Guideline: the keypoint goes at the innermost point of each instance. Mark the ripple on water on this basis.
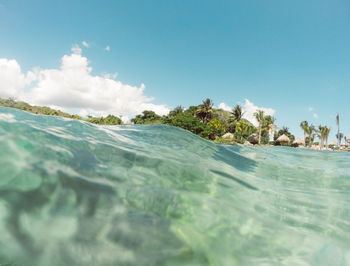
(73, 193)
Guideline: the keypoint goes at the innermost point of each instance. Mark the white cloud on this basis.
(315, 115)
(108, 48)
(76, 49)
(225, 107)
(85, 44)
(12, 80)
(249, 109)
(125, 119)
(110, 75)
(73, 88)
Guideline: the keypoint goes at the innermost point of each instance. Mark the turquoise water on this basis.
(73, 193)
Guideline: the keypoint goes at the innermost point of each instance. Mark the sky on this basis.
(121, 57)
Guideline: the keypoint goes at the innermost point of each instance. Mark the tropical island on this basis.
(214, 124)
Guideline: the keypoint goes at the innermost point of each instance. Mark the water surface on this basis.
(74, 193)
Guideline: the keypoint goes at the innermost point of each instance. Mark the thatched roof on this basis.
(299, 141)
(348, 137)
(284, 139)
(332, 143)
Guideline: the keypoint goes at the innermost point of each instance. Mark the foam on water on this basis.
(73, 193)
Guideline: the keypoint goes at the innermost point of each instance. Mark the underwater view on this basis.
(75, 193)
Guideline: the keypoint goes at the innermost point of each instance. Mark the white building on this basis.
(347, 139)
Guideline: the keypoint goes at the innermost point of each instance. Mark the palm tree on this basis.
(320, 136)
(337, 120)
(284, 130)
(339, 137)
(327, 130)
(269, 124)
(304, 126)
(237, 113)
(259, 115)
(178, 110)
(323, 133)
(205, 110)
(311, 131)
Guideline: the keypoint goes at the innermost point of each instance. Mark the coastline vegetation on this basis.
(322, 133)
(109, 120)
(208, 122)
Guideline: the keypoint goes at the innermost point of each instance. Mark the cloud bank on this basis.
(249, 109)
(73, 88)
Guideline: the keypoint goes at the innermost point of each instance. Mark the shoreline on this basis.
(217, 125)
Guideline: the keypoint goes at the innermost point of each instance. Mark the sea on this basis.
(75, 193)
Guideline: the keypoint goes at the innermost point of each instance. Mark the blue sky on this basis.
(285, 55)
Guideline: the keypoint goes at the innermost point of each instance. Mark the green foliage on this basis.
(210, 123)
(208, 133)
(243, 129)
(192, 110)
(304, 126)
(205, 111)
(268, 125)
(225, 141)
(237, 113)
(218, 127)
(259, 115)
(202, 120)
(186, 121)
(109, 120)
(147, 117)
(35, 109)
(323, 133)
(309, 132)
(178, 110)
(265, 137)
(339, 137)
(222, 115)
(309, 140)
(190, 122)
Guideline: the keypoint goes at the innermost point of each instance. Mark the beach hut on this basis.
(283, 139)
(298, 142)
